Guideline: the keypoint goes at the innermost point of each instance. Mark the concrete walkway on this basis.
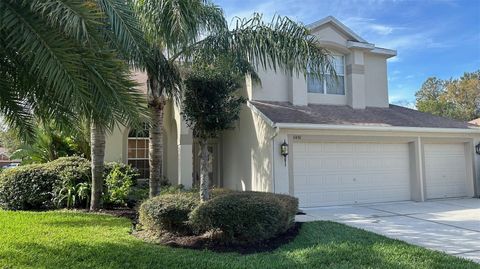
(452, 225)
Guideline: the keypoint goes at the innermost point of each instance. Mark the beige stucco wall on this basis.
(376, 86)
(170, 146)
(247, 154)
(273, 86)
(329, 33)
(365, 77)
(116, 145)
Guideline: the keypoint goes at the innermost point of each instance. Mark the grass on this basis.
(62, 239)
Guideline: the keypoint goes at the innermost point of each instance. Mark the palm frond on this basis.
(125, 31)
(178, 23)
(47, 52)
(280, 44)
(74, 18)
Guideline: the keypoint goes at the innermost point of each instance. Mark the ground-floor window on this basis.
(138, 150)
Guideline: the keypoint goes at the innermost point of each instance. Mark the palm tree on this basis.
(60, 59)
(175, 28)
(170, 26)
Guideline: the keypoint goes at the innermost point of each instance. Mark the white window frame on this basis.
(325, 84)
(136, 148)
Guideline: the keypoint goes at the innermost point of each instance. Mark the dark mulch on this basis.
(207, 241)
(125, 212)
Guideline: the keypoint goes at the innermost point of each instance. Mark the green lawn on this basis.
(79, 240)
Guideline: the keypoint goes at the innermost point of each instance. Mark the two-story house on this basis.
(346, 144)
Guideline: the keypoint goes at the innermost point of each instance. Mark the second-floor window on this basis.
(327, 84)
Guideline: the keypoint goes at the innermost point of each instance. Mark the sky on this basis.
(438, 38)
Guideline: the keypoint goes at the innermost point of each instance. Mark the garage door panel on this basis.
(348, 173)
(349, 164)
(445, 170)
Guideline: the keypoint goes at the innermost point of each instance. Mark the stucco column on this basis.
(185, 164)
(417, 186)
(474, 159)
(356, 79)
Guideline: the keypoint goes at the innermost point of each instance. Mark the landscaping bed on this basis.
(244, 222)
(207, 241)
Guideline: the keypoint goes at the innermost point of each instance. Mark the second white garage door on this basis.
(350, 173)
(445, 170)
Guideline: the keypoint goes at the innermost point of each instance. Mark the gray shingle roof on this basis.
(393, 116)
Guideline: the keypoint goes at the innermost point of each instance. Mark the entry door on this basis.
(445, 170)
(328, 174)
(212, 164)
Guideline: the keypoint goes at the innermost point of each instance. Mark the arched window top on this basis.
(139, 132)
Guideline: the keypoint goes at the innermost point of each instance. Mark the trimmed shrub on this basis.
(172, 189)
(28, 187)
(74, 169)
(74, 175)
(219, 192)
(168, 212)
(42, 186)
(245, 217)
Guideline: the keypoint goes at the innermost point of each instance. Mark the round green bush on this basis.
(244, 217)
(168, 212)
(36, 186)
(28, 187)
(74, 169)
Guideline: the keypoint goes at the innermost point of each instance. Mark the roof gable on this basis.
(339, 26)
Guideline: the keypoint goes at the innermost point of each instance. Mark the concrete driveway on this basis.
(452, 225)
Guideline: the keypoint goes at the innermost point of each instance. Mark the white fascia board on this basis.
(360, 45)
(383, 51)
(306, 126)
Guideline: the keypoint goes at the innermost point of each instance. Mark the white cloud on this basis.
(369, 26)
(412, 41)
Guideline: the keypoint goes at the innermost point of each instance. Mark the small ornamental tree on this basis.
(210, 106)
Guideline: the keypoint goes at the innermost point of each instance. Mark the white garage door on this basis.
(350, 173)
(445, 170)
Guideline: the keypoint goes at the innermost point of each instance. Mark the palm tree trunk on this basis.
(204, 180)
(155, 150)
(97, 138)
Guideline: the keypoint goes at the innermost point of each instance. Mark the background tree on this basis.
(178, 29)
(51, 143)
(455, 98)
(210, 106)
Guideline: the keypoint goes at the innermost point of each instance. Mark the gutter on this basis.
(307, 126)
(310, 126)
